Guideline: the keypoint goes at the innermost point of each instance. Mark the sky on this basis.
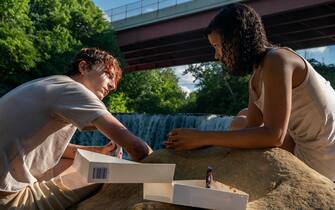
(108, 4)
(322, 54)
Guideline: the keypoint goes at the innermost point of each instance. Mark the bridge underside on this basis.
(181, 41)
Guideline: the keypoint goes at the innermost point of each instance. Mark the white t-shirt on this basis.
(37, 121)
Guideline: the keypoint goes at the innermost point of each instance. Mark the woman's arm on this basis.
(277, 77)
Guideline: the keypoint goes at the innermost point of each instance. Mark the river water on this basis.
(154, 128)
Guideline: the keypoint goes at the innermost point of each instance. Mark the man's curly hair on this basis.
(244, 41)
(93, 56)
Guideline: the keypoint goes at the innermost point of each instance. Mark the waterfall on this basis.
(154, 128)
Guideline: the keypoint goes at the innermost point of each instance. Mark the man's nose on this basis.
(112, 85)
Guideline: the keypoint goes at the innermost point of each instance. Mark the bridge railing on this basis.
(140, 7)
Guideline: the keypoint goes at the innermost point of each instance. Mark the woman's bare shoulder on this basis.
(276, 55)
(281, 59)
(283, 55)
(287, 62)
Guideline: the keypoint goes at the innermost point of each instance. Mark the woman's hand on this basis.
(185, 139)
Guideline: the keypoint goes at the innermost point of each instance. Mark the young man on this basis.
(37, 121)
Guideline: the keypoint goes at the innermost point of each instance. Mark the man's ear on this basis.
(82, 67)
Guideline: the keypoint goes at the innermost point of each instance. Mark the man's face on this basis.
(99, 79)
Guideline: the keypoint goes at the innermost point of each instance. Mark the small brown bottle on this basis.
(209, 177)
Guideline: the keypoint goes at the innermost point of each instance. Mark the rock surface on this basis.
(273, 178)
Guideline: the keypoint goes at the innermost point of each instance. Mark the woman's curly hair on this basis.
(244, 41)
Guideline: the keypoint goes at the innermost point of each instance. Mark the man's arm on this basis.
(114, 130)
(89, 128)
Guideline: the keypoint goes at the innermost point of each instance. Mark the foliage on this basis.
(40, 37)
(154, 91)
(327, 71)
(218, 91)
(117, 102)
(17, 51)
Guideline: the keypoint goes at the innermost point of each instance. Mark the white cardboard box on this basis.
(194, 193)
(100, 168)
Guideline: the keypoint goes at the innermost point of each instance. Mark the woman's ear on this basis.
(82, 67)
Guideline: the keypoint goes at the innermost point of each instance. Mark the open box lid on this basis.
(100, 168)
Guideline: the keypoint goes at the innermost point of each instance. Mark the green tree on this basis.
(154, 91)
(40, 37)
(63, 27)
(117, 102)
(17, 51)
(327, 71)
(221, 93)
(218, 91)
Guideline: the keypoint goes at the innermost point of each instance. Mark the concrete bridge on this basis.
(174, 35)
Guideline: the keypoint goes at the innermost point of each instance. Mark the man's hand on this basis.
(71, 149)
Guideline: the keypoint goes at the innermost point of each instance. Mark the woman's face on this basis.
(216, 41)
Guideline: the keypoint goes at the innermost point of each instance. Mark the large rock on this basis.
(273, 178)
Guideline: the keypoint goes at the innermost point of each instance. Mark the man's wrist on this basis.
(139, 150)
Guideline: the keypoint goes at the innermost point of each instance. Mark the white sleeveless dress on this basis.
(312, 121)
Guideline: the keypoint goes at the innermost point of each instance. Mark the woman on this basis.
(288, 99)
